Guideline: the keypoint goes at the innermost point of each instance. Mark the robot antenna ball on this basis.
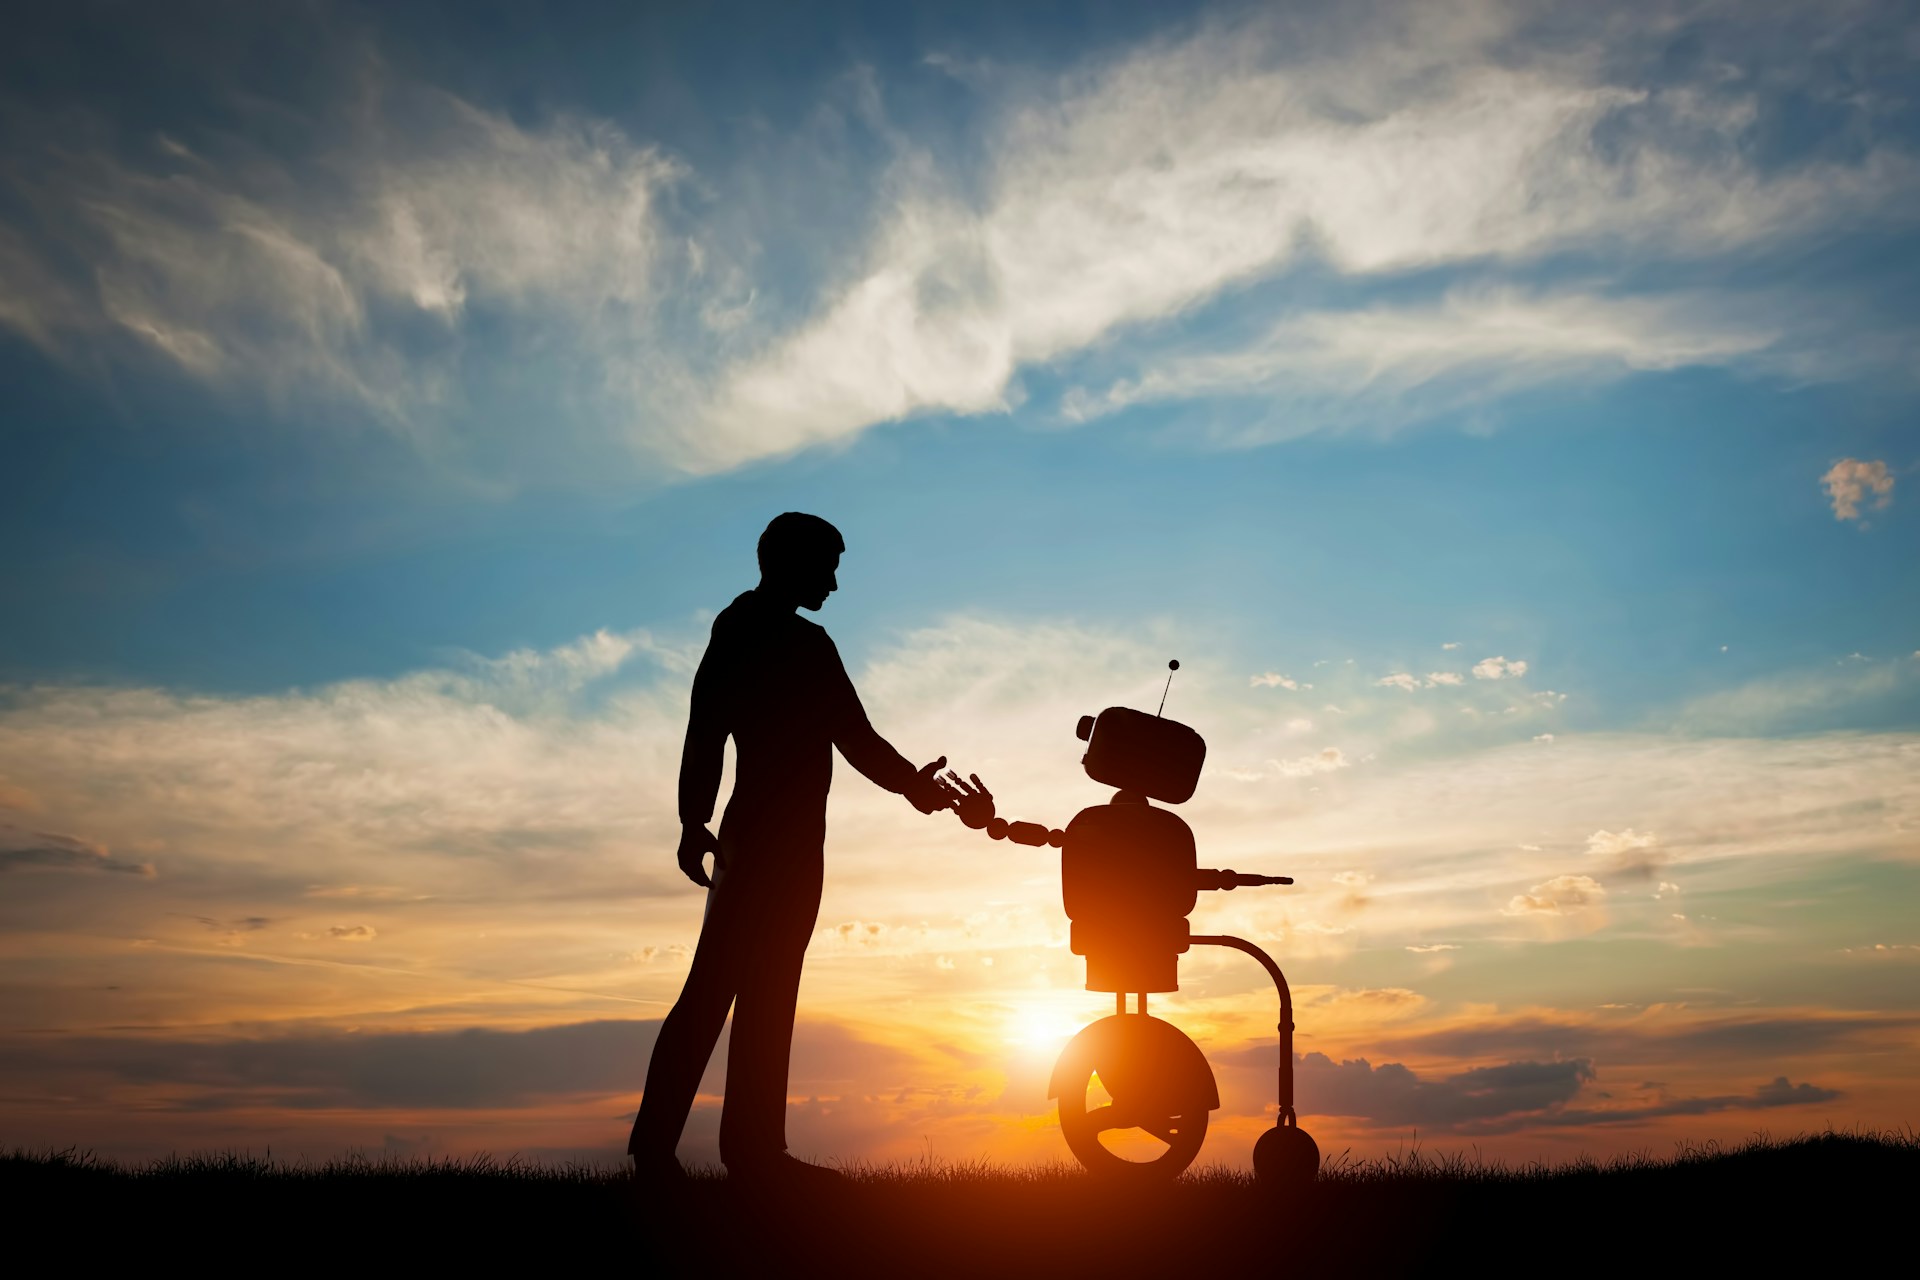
(1174, 665)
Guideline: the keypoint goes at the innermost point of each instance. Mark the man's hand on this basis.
(928, 792)
(696, 842)
(973, 803)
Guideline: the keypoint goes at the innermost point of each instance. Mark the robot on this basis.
(1129, 876)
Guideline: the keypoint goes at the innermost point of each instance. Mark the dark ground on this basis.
(1830, 1203)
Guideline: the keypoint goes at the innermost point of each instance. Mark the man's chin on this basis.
(813, 606)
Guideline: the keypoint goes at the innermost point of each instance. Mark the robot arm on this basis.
(975, 808)
(1208, 878)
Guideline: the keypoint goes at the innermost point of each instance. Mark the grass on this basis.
(1830, 1200)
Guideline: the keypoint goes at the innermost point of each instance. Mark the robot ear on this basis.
(1084, 730)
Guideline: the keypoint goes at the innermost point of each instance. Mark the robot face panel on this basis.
(1134, 751)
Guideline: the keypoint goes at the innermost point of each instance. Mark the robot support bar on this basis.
(1286, 1116)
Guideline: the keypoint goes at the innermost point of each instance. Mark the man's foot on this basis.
(784, 1172)
(660, 1171)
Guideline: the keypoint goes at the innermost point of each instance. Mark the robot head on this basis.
(1134, 751)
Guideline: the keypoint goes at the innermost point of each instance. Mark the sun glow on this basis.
(1045, 1026)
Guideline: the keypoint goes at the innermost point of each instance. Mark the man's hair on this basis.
(794, 538)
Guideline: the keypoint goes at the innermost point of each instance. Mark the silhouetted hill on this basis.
(1833, 1200)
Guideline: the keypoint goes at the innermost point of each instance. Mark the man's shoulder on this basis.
(745, 616)
(735, 613)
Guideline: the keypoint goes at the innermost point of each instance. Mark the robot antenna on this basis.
(1171, 668)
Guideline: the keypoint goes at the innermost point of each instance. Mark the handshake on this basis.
(930, 792)
(972, 803)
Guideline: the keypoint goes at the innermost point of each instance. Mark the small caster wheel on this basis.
(1285, 1159)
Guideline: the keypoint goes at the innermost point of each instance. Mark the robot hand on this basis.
(974, 804)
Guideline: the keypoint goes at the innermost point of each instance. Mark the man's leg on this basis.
(753, 1121)
(691, 1028)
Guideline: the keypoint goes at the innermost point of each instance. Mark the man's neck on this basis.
(773, 600)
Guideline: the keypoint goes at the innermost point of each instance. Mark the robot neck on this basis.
(1127, 797)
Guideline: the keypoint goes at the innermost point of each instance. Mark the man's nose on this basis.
(833, 583)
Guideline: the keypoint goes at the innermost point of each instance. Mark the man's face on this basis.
(815, 580)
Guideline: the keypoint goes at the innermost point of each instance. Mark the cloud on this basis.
(1142, 185)
(1325, 760)
(1848, 482)
(1274, 680)
(351, 932)
(1560, 896)
(1778, 1092)
(1665, 1035)
(1507, 1098)
(1393, 1095)
(377, 273)
(1628, 852)
(22, 848)
(1434, 680)
(1430, 948)
(450, 268)
(1389, 365)
(461, 1068)
(1499, 669)
(233, 933)
(1804, 700)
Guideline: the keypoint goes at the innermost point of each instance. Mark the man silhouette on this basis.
(773, 682)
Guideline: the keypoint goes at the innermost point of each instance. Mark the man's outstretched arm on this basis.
(872, 754)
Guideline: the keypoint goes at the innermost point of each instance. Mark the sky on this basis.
(1505, 412)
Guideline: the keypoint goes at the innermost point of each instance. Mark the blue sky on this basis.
(180, 532)
(1445, 385)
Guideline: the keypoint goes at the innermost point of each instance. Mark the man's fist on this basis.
(696, 842)
(927, 792)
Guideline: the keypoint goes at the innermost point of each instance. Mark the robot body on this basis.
(1127, 873)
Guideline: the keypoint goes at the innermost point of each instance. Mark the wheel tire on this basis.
(1183, 1134)
(1285, 1159)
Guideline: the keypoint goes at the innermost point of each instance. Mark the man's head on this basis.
(798, 556)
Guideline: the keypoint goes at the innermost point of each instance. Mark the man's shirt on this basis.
(775, 683)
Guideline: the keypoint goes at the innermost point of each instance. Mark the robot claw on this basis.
(1129, 877)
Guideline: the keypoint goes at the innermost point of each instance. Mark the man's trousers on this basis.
(760, 914)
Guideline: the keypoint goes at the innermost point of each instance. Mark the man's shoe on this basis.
(784, 1172)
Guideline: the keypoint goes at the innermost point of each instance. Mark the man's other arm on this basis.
(708, 723)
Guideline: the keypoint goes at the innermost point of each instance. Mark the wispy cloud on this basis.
(1560, 896)
(359, 273)
(1147, 184)
(421, 241)
(23, 849)
(1391, 365)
